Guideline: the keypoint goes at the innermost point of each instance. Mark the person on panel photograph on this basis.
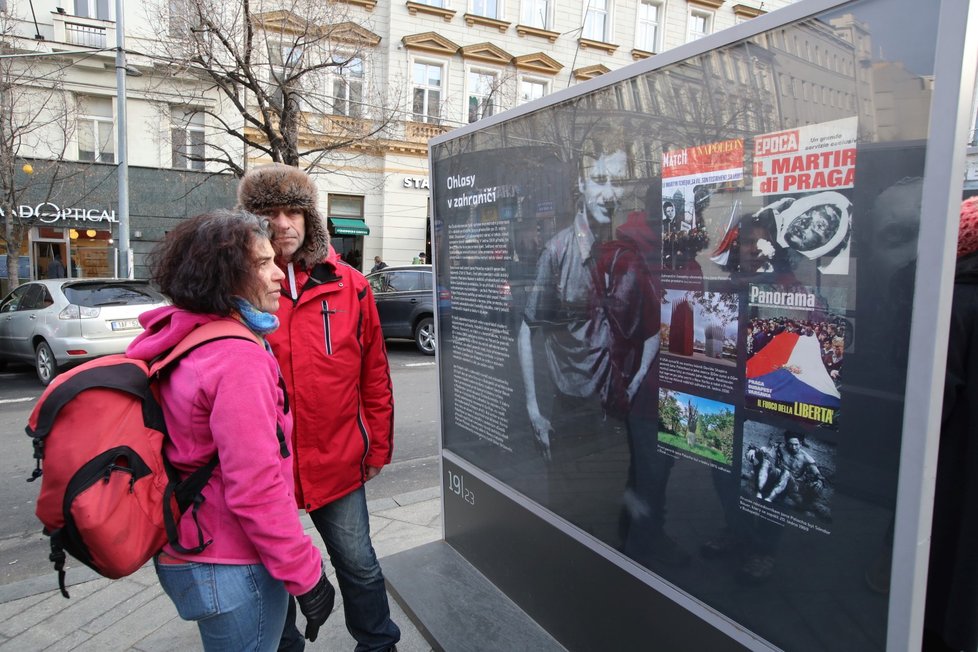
(789, 231)
(789, 475)
(669, 223)
(590, 326)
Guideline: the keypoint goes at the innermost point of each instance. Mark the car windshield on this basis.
(94, 295)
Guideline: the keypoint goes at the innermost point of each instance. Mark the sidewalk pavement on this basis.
(133, 613)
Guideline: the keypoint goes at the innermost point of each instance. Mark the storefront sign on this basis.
(50, 213)
(416, 182)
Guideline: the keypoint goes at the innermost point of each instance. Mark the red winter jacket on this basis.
(332, 354)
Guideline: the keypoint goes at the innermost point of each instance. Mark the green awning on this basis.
(344, 226)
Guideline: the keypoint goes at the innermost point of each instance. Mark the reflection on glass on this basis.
(676, 313)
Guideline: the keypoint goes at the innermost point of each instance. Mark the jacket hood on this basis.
(164, 328)
(271, 186)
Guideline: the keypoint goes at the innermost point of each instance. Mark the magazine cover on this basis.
(796, 340)
(690, 178)
(805, 176)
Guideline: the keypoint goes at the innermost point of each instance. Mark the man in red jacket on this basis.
(331, 350)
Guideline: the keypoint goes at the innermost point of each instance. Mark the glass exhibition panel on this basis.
(675, 313)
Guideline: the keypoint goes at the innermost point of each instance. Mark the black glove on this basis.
(316, 606)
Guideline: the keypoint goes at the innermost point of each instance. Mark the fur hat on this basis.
(271, 186)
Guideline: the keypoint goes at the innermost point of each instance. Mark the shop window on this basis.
(346, 206)
(95, 132)
(187, 138)
(427, 79)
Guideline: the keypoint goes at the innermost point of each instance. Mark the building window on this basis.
(432, 3)
(482, 88)
(487, 8)
(648, 26)
(427, 92)
(95, 142)
(700, 24)
(178, 15)
(536, 13)
(187, 138)
(348, 87)
(346, 206)
(532, 89)
(284, 55)
(596, 21)
(283, 59)
(99, 9)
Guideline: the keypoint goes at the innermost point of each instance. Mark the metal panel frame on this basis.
(943, 182)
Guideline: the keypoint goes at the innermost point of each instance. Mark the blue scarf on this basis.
(260, 322)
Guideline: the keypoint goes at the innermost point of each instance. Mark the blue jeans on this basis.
(235, 607)
(345, 527)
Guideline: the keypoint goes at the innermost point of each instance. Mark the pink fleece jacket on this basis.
(225, 397)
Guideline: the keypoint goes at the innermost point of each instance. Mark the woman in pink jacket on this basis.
(226, 398)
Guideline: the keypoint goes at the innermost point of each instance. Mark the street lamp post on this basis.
(125, 255)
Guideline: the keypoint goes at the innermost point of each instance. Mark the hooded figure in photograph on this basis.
(592, 321)
(331, 350)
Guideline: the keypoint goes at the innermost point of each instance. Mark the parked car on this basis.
(405, 302)
(57, 323)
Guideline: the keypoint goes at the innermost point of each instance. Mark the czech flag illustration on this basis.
(790, 369)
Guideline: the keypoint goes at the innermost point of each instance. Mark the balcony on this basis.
(85, 35)
(423, 131)
(83, 32)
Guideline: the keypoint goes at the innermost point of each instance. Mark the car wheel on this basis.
(47, 366)
(424, 336)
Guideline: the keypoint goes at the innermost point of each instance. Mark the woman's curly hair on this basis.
(207, 260)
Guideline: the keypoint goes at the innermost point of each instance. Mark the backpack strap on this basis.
(213, 330)
(187, 492)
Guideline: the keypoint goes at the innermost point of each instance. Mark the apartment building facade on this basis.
(424, 67)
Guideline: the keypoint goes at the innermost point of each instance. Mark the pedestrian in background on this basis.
(378, 265)
(224, 398)
(331, 349)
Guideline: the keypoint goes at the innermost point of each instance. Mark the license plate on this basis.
(124, 324)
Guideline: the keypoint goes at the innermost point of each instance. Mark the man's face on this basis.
(814, 228)
(288, 230)
(793, 445)
(601, 186)
(266, 284)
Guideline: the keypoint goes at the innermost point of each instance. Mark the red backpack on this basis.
(109, 497)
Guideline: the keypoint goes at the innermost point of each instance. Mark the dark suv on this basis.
(405, 303)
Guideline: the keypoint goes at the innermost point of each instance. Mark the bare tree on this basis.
(294, 80)
(36, 119)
